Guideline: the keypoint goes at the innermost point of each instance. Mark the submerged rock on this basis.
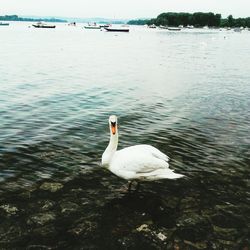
(196, 245)
(51, 186)
(68, 207)
(9, 209)
(41, 218)
(230, 234)
(193, 227)
(46, 204)
(156, 235)
(84, 229)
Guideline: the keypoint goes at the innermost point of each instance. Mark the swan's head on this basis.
(113, 124)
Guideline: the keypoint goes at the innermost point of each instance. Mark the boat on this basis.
(122, 29)
(237, 29)
(43, 25)
(105, 25)
(92, 26)
(163, 27)
(152, 26)
(4, 24)
(174, 28)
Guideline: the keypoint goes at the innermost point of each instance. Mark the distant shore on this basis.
(17, 18)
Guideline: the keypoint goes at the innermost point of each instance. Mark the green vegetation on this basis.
(17, 18)
(238, 22)
(138, 22)
(198, 19)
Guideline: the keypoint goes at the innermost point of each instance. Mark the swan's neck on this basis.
(111, 148)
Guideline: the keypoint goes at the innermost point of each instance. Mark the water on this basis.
(186, 93)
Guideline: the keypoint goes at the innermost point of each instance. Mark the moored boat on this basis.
(4, 24)
(237, 29)
(105, 25)
(174, 28)
(92, 26)
(121, 29)
(152, 26)
(43, 25)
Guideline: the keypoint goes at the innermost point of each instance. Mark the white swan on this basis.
(140, 162)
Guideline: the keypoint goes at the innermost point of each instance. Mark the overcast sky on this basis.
(121, 9)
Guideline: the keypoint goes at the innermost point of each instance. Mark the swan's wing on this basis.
(139, 159)
(154, 151)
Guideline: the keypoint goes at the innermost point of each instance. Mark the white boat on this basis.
(174, 28)
(163, 27)
(93, 26)
(152, 26)
(237, 29)
(43, 25)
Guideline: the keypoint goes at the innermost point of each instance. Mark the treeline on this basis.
(235, 22)
(198, 19)
(139, 22)
(17, 18)
(195, 19)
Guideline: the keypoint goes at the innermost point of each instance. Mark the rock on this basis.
(171, 202)
(46, 204)
(37, 247)
(11, 234)
(85, 229)
(51, 186)
(47, 231)
(68, 207)
(196, 245)
(193, 227)
(9, 209)
(230, 234)
(227, 244)
(189, 204)
(228, 220)
(149, 233)
(41, 219)
(143, 228)
(161, 236)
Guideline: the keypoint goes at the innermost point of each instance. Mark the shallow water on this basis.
(186, 93)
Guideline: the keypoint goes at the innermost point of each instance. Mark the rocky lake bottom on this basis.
(75, 213)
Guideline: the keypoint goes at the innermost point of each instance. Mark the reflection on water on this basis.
(185, 93)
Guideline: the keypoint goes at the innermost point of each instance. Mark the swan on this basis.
(139, 162)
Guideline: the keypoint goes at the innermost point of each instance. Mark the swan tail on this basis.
(162, 174)
(171, 176)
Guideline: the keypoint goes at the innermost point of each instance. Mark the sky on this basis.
(127, 9)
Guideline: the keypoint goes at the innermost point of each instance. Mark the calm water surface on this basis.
(186, 93)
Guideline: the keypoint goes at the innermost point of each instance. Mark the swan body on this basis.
(140, 162)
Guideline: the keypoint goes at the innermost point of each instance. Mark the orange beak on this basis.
(113, 128)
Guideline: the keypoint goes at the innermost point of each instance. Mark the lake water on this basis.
(186, 93)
